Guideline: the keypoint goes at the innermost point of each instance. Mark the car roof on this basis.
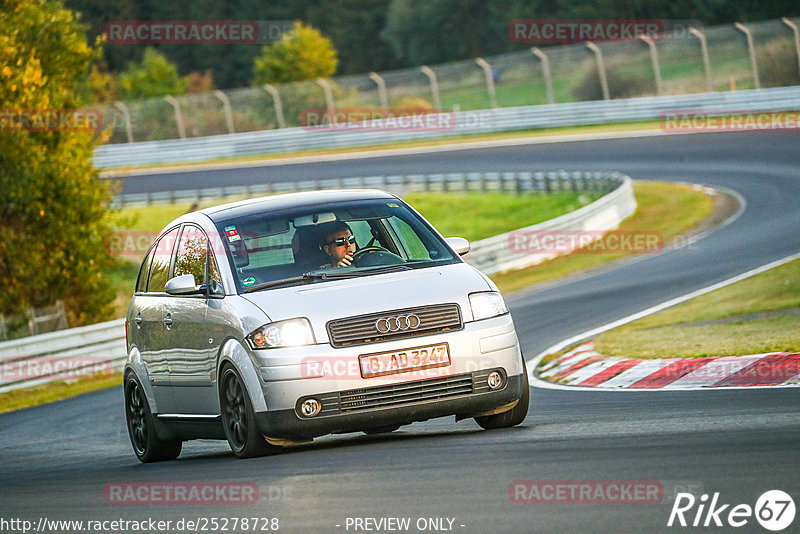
(253, 206)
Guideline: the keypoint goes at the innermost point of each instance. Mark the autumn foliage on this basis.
(52, 204)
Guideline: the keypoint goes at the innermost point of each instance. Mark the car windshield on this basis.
(332, 241)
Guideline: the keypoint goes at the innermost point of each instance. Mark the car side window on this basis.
(192, 256)
(159, 268)
(141, 281)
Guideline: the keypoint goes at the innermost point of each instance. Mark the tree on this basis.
(433, 31)
(53, 206)
(301, 54)
(154, 76)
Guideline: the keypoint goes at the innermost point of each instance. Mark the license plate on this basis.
(404, 361)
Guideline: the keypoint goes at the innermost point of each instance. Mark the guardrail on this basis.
(68, 354)
(465, 123)
(64, 354)
(495, 254)
(509, 182)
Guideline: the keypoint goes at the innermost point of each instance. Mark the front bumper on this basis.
(352, 403)
(286, 424)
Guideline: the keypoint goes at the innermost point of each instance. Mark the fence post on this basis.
(326, 88)
(276, 100)
(706, 60)
(654, 58)
(226, 108)
(796, 33)
(601, 68)
(178, 116)
(487, 73)
(752, 49)
(127, 116)
(548, 79)
(427, 71)
(379, 81)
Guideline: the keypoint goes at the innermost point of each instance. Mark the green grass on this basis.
(670, 333)
(670, 209)
(55, 391)
(492, 214)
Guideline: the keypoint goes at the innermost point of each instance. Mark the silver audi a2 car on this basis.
(243, 328)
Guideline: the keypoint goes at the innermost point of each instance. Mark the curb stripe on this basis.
(609, 373)
(587, 368)
(768, 371)
(671, 373)
(577, 366)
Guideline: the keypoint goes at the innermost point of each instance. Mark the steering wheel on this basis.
(372, 256)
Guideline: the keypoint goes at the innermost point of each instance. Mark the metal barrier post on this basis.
(226, 107)
(752, 49)
(127, 116)
(796, 33)
(601, 68)
(427, 71)
(548, 80)
(706, 60)
(276, 99)
(654, 58)
(326, 88)
(178, 116)
(487, 72)
(379, 81)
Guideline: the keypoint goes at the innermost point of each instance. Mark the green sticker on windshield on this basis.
(248, 281)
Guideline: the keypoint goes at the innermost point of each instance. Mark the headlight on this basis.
(288, 333)
(487, 304)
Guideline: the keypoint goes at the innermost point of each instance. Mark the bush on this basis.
(777, 64)
(301, 54)
(622, 83)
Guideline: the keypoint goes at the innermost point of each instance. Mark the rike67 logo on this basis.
(774, 510)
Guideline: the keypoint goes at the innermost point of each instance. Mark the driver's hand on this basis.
(346, 261)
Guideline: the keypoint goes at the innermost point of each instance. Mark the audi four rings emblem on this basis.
(397, 323)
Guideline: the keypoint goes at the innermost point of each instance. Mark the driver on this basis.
(339, 245)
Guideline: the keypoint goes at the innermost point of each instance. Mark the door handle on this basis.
(138, 320)
(168, 321)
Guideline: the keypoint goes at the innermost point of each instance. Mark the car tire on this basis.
(146, 444)
(238, 417)
(515, 415)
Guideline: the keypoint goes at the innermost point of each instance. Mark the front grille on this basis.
(362, 329)
(418, 391)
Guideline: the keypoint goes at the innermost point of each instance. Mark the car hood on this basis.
(321, 302)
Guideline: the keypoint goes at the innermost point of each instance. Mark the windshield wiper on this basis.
(283, 281)
(333, 274)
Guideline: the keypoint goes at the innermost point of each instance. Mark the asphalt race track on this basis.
(59, 461)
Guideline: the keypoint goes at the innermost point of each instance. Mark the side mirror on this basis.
(459, 244)
(183, 285)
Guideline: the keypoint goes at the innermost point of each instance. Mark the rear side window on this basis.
(141, 282)
(159, 268)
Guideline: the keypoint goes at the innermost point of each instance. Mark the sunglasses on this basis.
(342, 241)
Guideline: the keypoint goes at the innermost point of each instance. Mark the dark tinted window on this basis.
(266, 247)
